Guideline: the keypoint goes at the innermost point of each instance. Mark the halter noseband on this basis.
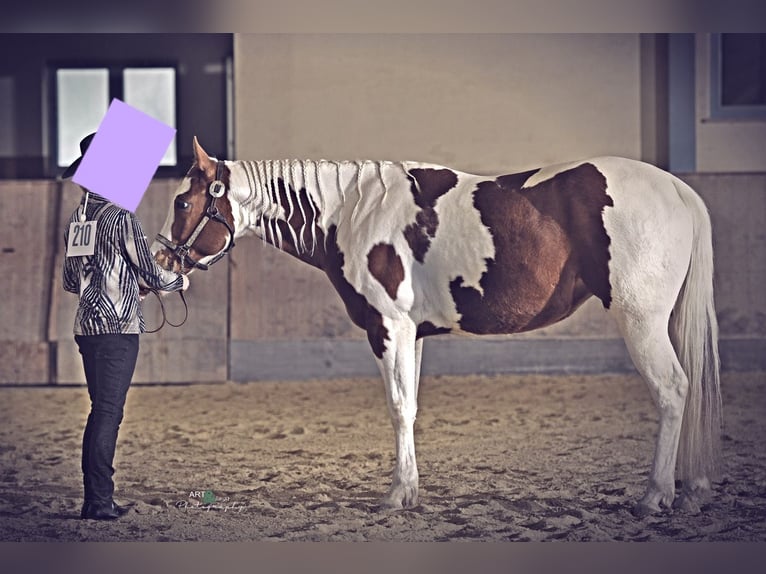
(216, 189)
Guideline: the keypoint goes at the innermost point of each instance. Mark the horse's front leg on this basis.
(399, 365)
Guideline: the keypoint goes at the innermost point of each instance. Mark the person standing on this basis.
(108, 265)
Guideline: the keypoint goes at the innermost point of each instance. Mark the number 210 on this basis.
(81, 235)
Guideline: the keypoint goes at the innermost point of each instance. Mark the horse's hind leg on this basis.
(648, 342)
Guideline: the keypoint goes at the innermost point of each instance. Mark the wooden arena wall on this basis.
(260, 314)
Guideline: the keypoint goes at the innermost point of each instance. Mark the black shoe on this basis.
(102, 511)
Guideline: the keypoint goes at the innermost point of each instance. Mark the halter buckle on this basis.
(216, 188)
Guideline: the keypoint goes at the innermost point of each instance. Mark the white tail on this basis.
(694, 332)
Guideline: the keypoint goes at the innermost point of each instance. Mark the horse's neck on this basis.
(311, 197)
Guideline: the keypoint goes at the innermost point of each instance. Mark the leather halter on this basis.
(216, 189)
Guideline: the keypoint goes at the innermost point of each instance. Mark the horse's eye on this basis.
(181, 204)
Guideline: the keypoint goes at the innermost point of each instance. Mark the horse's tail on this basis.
(694, 332)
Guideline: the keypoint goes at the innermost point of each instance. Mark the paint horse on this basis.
(416, 250)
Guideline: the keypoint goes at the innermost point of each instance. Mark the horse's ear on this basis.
(203, 160)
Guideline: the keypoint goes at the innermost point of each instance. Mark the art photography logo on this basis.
(207, 500)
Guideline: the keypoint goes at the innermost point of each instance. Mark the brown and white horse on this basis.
(417, 249)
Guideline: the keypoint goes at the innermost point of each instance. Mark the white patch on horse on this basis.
(645, 244)
(461, 247)
(376, 215)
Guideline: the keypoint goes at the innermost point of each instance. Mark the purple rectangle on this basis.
(124, 155)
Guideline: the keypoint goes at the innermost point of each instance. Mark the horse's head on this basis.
(200, 226)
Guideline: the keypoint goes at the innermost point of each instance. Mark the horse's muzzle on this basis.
(166, 260)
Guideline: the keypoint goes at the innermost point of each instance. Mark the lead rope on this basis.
(162, 306)
(164, 313)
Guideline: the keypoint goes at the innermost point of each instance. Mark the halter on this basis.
(216, 189)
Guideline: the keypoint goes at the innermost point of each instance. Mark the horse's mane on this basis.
(318, 182)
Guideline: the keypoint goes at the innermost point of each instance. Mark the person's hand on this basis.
(185, 285)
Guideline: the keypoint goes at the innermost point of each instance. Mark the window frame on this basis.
(719, 111)
(116, 89)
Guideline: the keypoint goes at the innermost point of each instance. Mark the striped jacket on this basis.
(108, 281)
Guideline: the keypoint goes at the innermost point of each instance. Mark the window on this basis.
(83, 95)
(82, 98)
(738, 76)
(153, 91)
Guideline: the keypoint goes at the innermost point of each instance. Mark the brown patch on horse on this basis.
(551, 251)
(359, 309)
(426, 329)
(427, 186)
(386, 266)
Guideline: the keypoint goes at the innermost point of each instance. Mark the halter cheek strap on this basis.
(216, 189)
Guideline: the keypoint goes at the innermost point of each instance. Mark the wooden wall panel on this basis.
(275, 297)
(259, 300)
(27, 242)
(24, 362)
(168, 361)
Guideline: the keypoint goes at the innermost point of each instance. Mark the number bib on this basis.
(82, 239)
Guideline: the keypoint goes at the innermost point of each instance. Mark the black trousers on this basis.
(109, 362)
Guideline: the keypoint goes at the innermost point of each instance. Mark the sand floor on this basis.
(506, 458)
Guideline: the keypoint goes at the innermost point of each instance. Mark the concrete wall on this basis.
(477, 102)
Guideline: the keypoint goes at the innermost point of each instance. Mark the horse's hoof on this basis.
(390, 504)
(687, 503)
(642, 510)
(400, 497)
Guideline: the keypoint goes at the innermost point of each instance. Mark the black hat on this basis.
(84, 143)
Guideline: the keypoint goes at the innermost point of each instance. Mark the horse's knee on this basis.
(669, 390)
(403, 409)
